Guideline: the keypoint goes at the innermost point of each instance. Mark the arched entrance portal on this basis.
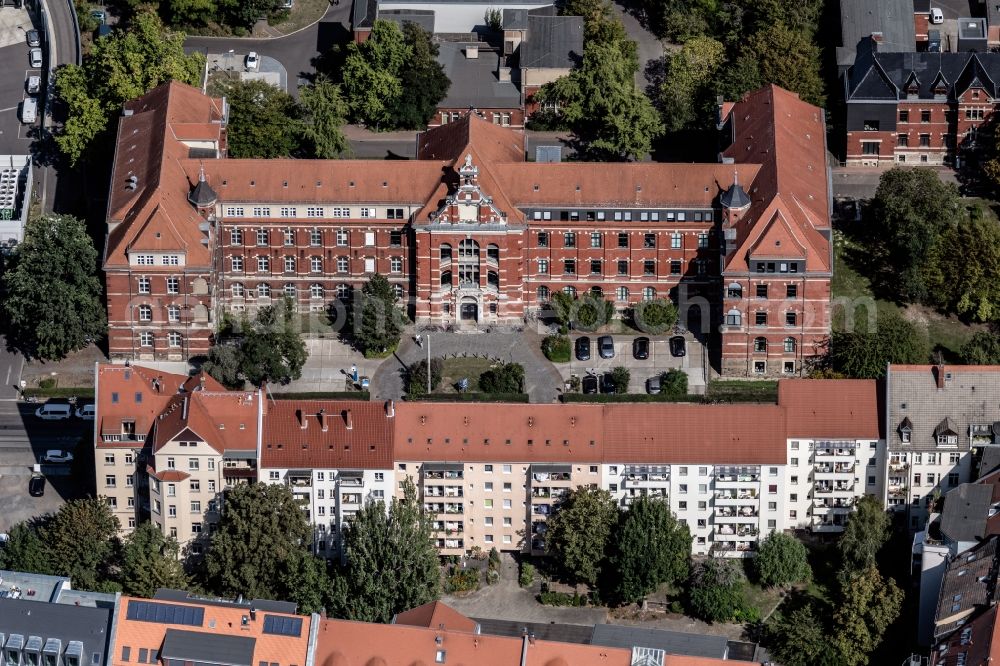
(469, 310)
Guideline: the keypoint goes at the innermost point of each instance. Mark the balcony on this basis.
(350, 498)
(899, 491)
(443, 491)
(828, 526)
(541, 509)
(735, 498)
(898, 466)
(836, 468)
(542, 476)
(300, 481)
(538, 545)
(833, 453)
(239, 473)
(747, 515)
(735, 480)
(451, 475)
(834, 488)
(539, 528)
(351, 481)
(456, 509)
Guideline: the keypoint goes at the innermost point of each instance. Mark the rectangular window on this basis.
(869, 147)
(649, 241)
(925, 116)
(904, 116)
(261, 211)
(396, 237)
(925, 140)
(790, 318)
(902, 140)
(234, 211)
(623, 240)
(543, 238)
(760, 319)
(595, 239)
(368, 212)
(622, 267)
(543, 266)
(761, 291)
(569, 239)
(675, 241)
(675, 267)
(702, 240)
(288, 211)
(569, 267)
(342, 237)
(649, 267)
(144, 282)
(314, 211)
(792, 291)
(595, 266)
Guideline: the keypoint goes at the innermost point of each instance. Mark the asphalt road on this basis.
(297, 52)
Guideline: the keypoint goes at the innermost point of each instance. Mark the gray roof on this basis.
(515, 19)
(860, 18)
(474, 82)
(89, 625)
(199, 646)
(966, 509)
(972, 28)
(891, 76)
(552, 41)
(672, 642)
(364, 13)
(990, 459)
(422, 17)
(969, 396)
(564, 633)
(40, 586)
(735, 197)
(969, 582)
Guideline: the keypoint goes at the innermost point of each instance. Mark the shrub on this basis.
(674, 382)
(503, 378)
(47, 383)
(462, 581)
(654, 317)
(562, 599)
(621, 376)
(676, 607)
(527, 577)
(416, 376)
(494, 558)
(557, 348)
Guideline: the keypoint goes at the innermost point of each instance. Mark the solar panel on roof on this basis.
(148, 611)
(282, 626)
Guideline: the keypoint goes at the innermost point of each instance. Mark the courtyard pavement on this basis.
(13, 24)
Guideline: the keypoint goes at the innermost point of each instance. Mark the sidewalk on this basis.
(328, 366)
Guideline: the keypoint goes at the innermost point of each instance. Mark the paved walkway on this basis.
(328, 367)
(649, 48)
(542, 380)
(13, 24)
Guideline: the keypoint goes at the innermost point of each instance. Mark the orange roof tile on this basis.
(366, 445)
(440, 431)
(835, 408)
(686, 433)
(437, 615)
(225, 420)
(216, 619)
(136, 394)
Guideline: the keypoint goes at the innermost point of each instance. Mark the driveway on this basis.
(542, 380)
(297, 52)
(650, 47)
(328, 366)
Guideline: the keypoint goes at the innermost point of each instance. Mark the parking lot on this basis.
(660, 360)
(15, 137)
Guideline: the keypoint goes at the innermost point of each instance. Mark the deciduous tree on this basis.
(378, 321)
(371, 82)
(674, 382)
(654, 317)
(715, 591)
(272, 349)
(800, 639)
(970, 287)
(687, 94)
(264, 122)
(324, 113)
(422, 78)
(866, 532)
(81, 538)
(503, 378)
(864, 354)
(869, 604)
(392, 560)
(983, 348)
(578, 533)
(149, 561)
(53, 302)
(789, 58)
(653, 548)
(26, 549)
(781, 560)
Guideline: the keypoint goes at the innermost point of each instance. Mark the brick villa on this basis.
(471, 233)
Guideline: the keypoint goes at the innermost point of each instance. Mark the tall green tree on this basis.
(970, 287)
(579, 531)
(422, 78)
(192, 12)
(687, 94)
(864, 354)
(245, 13)
(267, 348)
(869, 603)
(611, 119)
(800, 638)
(371, 82)
(53, 303)
(26, 549)
(653, 548)
(715, 590)
(149, 561)
(910, 211)
(260, 548)
(264, 122)
(378, 320)
(789, 58)
(124, 65)
(325, 113)
(781, 560)
(392, 560)
(866, 532)
(983, 348)
(82, 538)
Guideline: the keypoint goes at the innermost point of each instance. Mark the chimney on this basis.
(201, 382)
(322, 420)
(939, 375)
(348, 423)
(471, 51)
(303, 423)
(390, 409)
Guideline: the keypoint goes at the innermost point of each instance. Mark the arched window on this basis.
(760, 345)
(734, 290)
(468, 249)
(543, 293)
(734, 318)
(493, 252)
(789, 345)
(445, 252)
(596, 292)
(446, 279)
(493, 279)
(570, 290)
(649, 293)
(622, 294)
(264, 290)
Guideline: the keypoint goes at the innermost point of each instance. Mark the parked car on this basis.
(640, 348)
(253, 61)
(33, 84)
(678, 346)
(35, 55)
(29, 110)
(99, 15)
(583, 348)
(653, 385)
(937, 16)
(607, 383)
(36, 485)
(57, 456)
(606, 346)
(34, 39)
(87, 412)
(590, 384)
(54, 411)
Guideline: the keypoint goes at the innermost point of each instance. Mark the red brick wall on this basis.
(516, 115)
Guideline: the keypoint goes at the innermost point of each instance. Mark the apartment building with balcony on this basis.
(471, 233)
(335, 456)
(937, 418)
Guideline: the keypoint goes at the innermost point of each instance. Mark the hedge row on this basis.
(470, 397)
(629, 397)
(323, 395)
(82, 392)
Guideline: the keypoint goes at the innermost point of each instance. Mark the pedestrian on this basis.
(419, 340)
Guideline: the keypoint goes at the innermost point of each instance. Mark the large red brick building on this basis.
(470, 233)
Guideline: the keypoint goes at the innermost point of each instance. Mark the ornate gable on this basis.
(468, 203)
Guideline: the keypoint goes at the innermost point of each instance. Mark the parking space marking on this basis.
(9, 108)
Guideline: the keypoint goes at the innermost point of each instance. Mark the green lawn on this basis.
(743, 390)
(459, 368)
(946, 333)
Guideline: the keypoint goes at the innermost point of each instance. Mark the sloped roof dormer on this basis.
(946, 427)
(974, 75)
(912, 85)
(905, 426)
(940, 86)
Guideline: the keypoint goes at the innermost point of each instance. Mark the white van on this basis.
(29, 110)
(52, 411)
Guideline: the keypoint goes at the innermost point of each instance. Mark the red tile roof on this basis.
(437, 615)
(834, 408)
(225, 420)
(786, 136)
(135, 394)
(366, 445)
